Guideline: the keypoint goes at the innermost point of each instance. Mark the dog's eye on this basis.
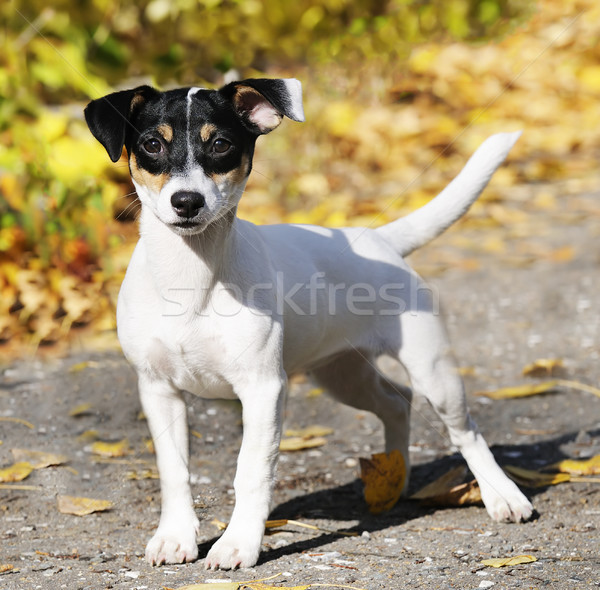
(152, 146)
(220, 146)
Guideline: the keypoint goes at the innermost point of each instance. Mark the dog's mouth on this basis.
(187, 224)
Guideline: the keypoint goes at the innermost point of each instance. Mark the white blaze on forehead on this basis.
(190, 144)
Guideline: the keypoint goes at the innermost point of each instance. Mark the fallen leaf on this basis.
(521, 390)
(7, 567)
(15, 472)
(310, 431)
(17, 421)
(143, 474)
(449, 490)
(80, 410)
(299, 443)
(111, 449)
(38, 459)
(535, 479)
(315, 392)
(81, 506)
(537, 388)
(578, 467)
(508, 561)
(542, 367)
(78, 367)
(383, 476)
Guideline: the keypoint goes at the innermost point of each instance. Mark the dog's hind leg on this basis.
(353, 379)
(427, 359)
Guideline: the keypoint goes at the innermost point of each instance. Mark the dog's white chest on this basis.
(190, 366)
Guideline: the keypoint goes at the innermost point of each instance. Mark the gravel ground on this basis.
(501, 315)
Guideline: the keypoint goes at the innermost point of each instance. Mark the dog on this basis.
(219, 307)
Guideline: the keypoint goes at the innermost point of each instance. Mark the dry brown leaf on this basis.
(449, 490)
(299, 443)
(38, 459)
(508, 561)
(15, 472)
(111, 449)
(578, 467)
(383, 476)
(81, 506)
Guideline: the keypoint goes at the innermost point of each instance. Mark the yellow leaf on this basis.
(15, 472)
(78, 367)
(521, 390)
(315, 392)
(7, 567)
(81, 506)
(589, 76)
(111, 449)
(535, 479)
(535, 389)
(38, 459)
(17, 421)
(448, 490)
(310, 431)
(508, 561)
(299, 443)
(143, 474)
(80, 410)
(383, 476)
(579, 467)
(542, 366)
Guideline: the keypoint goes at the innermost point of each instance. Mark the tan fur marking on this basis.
(166, 131)
(206, 131)
(235, 176)
(154, 182)
(136, 101)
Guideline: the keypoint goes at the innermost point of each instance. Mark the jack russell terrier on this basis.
(222, 308)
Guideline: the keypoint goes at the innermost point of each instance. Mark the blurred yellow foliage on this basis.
(398, 95)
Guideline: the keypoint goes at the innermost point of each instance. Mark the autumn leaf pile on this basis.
(384, 133)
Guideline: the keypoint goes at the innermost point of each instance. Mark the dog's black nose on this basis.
(187, 203)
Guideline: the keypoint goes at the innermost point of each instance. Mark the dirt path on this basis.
(501, 316)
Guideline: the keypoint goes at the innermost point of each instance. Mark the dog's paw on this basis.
(230, 553)
(510, 506)
(172, 547)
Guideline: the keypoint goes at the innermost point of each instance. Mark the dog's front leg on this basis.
(175, 538)
(240, 544)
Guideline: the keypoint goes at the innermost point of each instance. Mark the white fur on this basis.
(231, 310)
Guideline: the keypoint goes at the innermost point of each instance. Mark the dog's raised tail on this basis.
(419, 227)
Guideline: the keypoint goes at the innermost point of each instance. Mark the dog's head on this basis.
(190, 150)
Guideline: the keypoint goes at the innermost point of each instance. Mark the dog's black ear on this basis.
(109, 117)
(262, 103)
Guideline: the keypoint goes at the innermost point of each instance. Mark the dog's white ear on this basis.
(262, 103)
(109, 117)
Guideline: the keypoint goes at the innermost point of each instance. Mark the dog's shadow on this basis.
(345, 503)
